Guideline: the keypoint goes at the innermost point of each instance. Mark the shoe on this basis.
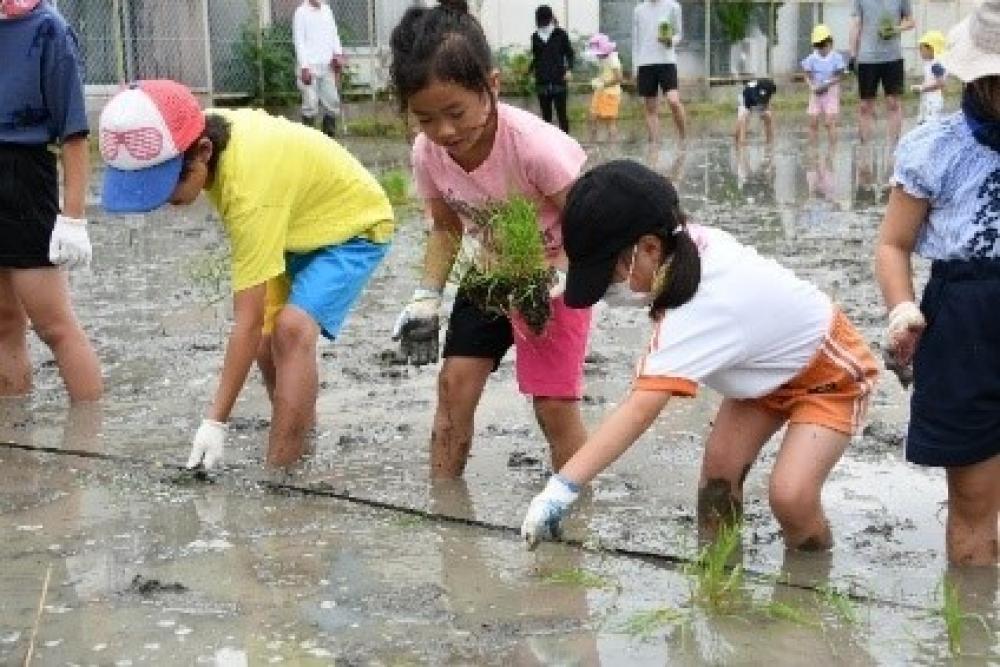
(329, 126)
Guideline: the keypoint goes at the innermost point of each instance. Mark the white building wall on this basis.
(511, 22)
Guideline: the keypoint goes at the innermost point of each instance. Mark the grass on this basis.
(396, 183)
(786, 612)
(209, 273)
(839, 602)
(717, 585)
(576, 576)
(373, 126)
(645, 623)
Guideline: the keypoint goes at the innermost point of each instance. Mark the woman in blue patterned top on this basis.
(42, 113)
(945, 206)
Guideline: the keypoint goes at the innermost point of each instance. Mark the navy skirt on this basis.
(955, 408)
(29, 203)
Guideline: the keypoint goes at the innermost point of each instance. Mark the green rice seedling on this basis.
(514, 274)
(717, 585)
(665, 33)
(887, 27)
(787, 612)
(577, 576)
(209, 273)
(396, 184)
(839, 602)
(645, 623)
(952, 615)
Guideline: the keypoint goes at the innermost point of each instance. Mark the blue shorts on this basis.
(955, 408)
(324, 283)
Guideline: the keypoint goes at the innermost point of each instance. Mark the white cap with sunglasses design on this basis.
(144, 132)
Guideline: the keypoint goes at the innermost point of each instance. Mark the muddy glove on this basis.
(69, 244)
(208, 443)
(906, 323)
(547, 510)
(417, 327)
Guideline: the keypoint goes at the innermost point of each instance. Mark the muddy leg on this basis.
(808, 454)
(460, 386)
(15, 362)
(296, 384)
(265, 362)
(741, 430)
(562, 424)
(973, 507)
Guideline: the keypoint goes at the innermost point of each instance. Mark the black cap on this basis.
(608, 210)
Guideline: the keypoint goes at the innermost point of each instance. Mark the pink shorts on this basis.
(828, 103)
(547, 366)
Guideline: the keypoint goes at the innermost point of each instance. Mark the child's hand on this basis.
(417, 328)
(547, 510)
(69, 245)
(906, 324)
(916, 88)
(208, 444)
(306, 76)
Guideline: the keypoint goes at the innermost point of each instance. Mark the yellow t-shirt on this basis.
(281, 187)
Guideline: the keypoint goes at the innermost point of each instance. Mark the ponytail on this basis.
(683, 271)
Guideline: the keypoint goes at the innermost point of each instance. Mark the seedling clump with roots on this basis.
(513, 275)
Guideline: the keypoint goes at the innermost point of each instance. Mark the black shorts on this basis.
(653, 78)
(892, 75)
(29, 204)
(473, 332)
(955, 407)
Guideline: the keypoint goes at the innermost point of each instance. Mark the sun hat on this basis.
(974, 44)
(607, 210)
(144, 130)
(601, 45)
(14, 8)
(934, 39)
(820, 33)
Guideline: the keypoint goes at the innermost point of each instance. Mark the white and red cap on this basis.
(13, 8)
(144, 131)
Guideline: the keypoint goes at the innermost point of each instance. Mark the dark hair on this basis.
(826, 42)
(443, 43)
(985, 94)
(682, 264)
(543, 16)
(217, 130)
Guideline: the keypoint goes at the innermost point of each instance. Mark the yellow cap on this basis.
(820, 33)
(934, 39)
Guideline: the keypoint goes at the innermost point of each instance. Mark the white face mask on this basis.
(546, 32)
(621, 294)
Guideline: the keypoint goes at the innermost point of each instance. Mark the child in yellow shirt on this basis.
(307, 226)
(607, 87)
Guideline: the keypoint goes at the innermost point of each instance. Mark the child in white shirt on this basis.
(931, 98)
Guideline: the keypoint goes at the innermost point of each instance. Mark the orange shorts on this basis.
(834, 389)
(604, 105)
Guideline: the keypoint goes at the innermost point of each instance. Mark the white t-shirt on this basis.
(932, 72)
(751, 326)
(647, 49)
(314, 31)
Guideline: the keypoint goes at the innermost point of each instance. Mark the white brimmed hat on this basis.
(974, 44)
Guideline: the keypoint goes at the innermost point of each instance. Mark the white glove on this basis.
(208, 444)
(904, 318)
(557, 284)
(547, 510)
(417, 327)
(69, 244)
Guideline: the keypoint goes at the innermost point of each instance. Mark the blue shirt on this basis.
(944, 164)
(41, 82)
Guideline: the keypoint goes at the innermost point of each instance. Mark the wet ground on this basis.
(144, 566)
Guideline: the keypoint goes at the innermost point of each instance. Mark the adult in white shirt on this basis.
(656, 31)
(318, 55)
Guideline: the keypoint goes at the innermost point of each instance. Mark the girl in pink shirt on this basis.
(472, 154)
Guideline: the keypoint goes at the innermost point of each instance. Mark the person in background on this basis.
(930, 89)
(945, 207)
(823, 68)
(755, 98)
(656, 32)
(41, 105)
(552, 63)
(607, 87)
(319, 58)
(878, 58)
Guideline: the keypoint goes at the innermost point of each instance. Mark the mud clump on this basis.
(523, 460)
(142, 586)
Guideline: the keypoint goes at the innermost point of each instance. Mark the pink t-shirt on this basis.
(529, 157)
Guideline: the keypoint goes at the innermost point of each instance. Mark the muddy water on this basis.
(272, 578)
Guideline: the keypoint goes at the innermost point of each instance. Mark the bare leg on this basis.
(44, 294)
(741, 430)
(651, 107)
(893, 119)
(740, 135)
(562, 424)
(866, 119)
(973, 511)
(814, 130)
(265, 362)
(768, 119)
(15, 362)
(293, 406)
(680, 117)
(831, 129)
(808, 454)
(460, 386)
